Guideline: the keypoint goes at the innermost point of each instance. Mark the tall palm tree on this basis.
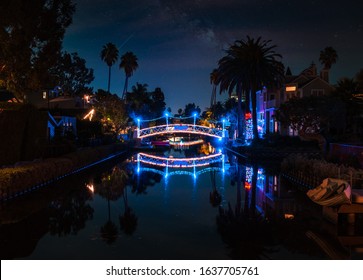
(129, 64)
(214, 82)
(231, 78)
(262, 68)
(328, 57)
(109, 54)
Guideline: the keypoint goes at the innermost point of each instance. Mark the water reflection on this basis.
(68, 214)
(147, 211)
(215, 198)
(54, 212)
(112, 187)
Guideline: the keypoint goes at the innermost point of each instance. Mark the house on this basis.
(268, 100)
(307, 83)
(64, 124)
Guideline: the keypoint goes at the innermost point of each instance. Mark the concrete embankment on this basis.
(24, 177)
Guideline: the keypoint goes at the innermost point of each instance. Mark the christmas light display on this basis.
(179, 162)
(249, 127)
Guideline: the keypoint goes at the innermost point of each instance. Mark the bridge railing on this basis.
(181, 128)
(179, 162)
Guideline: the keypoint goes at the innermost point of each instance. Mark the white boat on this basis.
(331, 192)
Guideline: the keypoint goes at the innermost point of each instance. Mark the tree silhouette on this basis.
(214, 82)
(129, 64)
(73, 75)
(112, 188)
(109, 54)
(68, 214)
(30, 43)
(128, 221)
(215, 197)
(328, 57)
(250, 65)
(247, 234)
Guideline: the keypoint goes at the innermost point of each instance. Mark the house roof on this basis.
(302, 85)
(306, 77)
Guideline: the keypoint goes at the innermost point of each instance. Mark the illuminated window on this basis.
(44, 95)
(290, 88)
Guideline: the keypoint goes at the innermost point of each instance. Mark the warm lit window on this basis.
(291, 88)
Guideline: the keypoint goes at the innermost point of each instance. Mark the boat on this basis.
(163, 143)
(331, 192)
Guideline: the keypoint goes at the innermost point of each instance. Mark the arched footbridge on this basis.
(180, 128)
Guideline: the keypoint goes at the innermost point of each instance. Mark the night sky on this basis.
(178, 43)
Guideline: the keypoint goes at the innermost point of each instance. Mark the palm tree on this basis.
(214, 82)
(138, 100)
(262, 68)
(328, 57)
(231, 78)
(109, 54)
(248, 66)
(129, 64)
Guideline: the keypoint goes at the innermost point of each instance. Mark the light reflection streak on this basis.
(184, 144)
(249, 173)
(179, 162)
(180, 172)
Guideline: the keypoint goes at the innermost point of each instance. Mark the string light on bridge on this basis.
(179, 162)
(138, 127)
(180, 127)
(167, 120)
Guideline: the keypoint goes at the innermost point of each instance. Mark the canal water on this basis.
(199, 203)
